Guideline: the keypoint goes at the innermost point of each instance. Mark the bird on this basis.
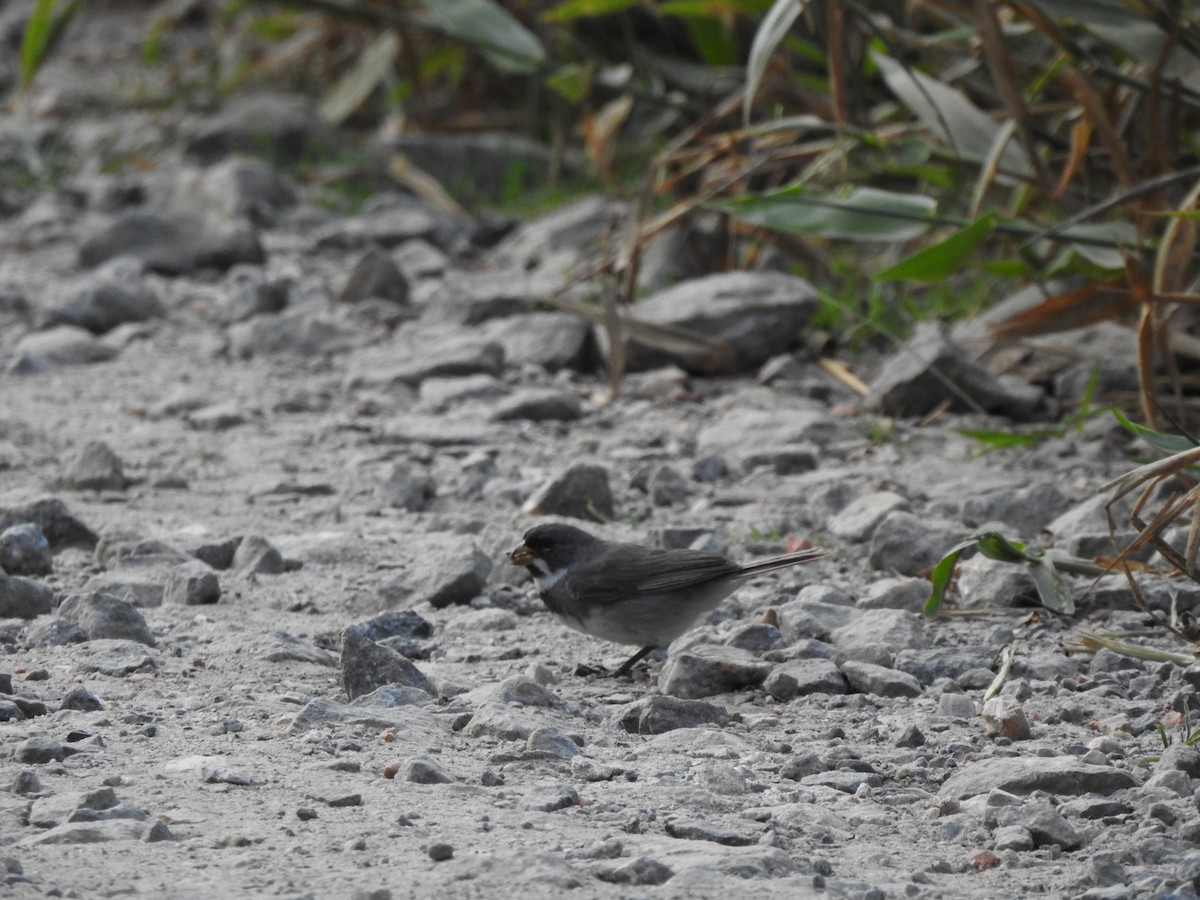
(630, 594)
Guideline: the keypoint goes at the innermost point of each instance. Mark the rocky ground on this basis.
(260, 464)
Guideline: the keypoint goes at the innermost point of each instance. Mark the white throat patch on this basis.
(545, 577)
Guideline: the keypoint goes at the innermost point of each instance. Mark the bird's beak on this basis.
(521, 556)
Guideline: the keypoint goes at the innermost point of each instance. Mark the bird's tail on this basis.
(783, 562)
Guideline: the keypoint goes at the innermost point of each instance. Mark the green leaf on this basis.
(937, 261)
(771, 32)
(571, 82)
(1169, 444)
(570, 10)
(940, 578)
(997, 547)
(1051, 588)
(489, 26)
(866, 214)
(1004, 439)
(41, 32)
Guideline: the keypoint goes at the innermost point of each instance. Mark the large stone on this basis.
(1063, 775)
(103, 302)
(367, 666)
(441, 570)
(581, 492)
(95, 467)
(375, 274)
(171, 243)
(751, 315)
(423, 352)
(21, 598)
(104, 616)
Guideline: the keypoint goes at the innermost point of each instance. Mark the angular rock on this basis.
(426, 352)
(858, 521)
(367, 665)
(1061, 775)
(539, 406)
(554, 341)
(95, 468)
(171, 243)
(408, 489)
(930, 369)
(868, 678)
(61, 528)
(375, 274)
(114, 657)
(581, 492)
(550, 742)
(443, 569)
(659, 713)
(751, 316)
(104, 616)
(1003, 715)
(47, 812)
(39, 749)
(641, 870)
(256, 554)
(425, 770)
(896, 593)
(102, 303)
(62, 345)
(804, 677)
(24, 550)
(708, 670)
(909, 544)
(21, 598)
(80, 699)
(299, 332)
(401, 623)
(1044, 823)
(192, 584)
(877, 635)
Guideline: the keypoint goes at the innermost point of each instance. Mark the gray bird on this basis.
(629, 594)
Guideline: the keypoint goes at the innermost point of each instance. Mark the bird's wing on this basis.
(647, 571)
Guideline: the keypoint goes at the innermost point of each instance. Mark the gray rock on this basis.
(444, 569)
(171, 243)
(439, 394)
(580, 492)
(858, 521)
(909, 544)
(192, 584)
(250, 293)
(47, 812)
(102, 303)
(24, 550)
(1179, 757)
(667, 487)
(53, 633)
(548, 741)
(95, 468)
(388, 226)
(425, 770)
(61, 528)
(278, 126)
(741, 430)
(755, 315)
(804, 618)
(640, 870)
(390, 696)
(367, 665)
(757, 637)
(256, 554)
(930, 369)
(660, 713)
(868, 678)
(111, 656)
(102, 832)
(26, 783)
(80, 699)
(707, 670)
(700, 830)
(426, 352)
(104, 616)
(990, 583)
(896, 593)
(877, 635)
(1012, 837)
(375, 274)
(54, 348)
(1003, 715)
(418, 259)
(539, 405)
(279, 646)
(1027, 509)
(21, 598)
(804, 677)
(781, 460)
(298, 332)
(249, 188)
(136, 580)
(1062, 775)
(954, 705)
(395, 623)
(552, 340)
(408, 489)
(1044, 823)
(39, 750)
(551, 798)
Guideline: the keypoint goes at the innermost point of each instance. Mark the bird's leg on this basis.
(624, 668)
